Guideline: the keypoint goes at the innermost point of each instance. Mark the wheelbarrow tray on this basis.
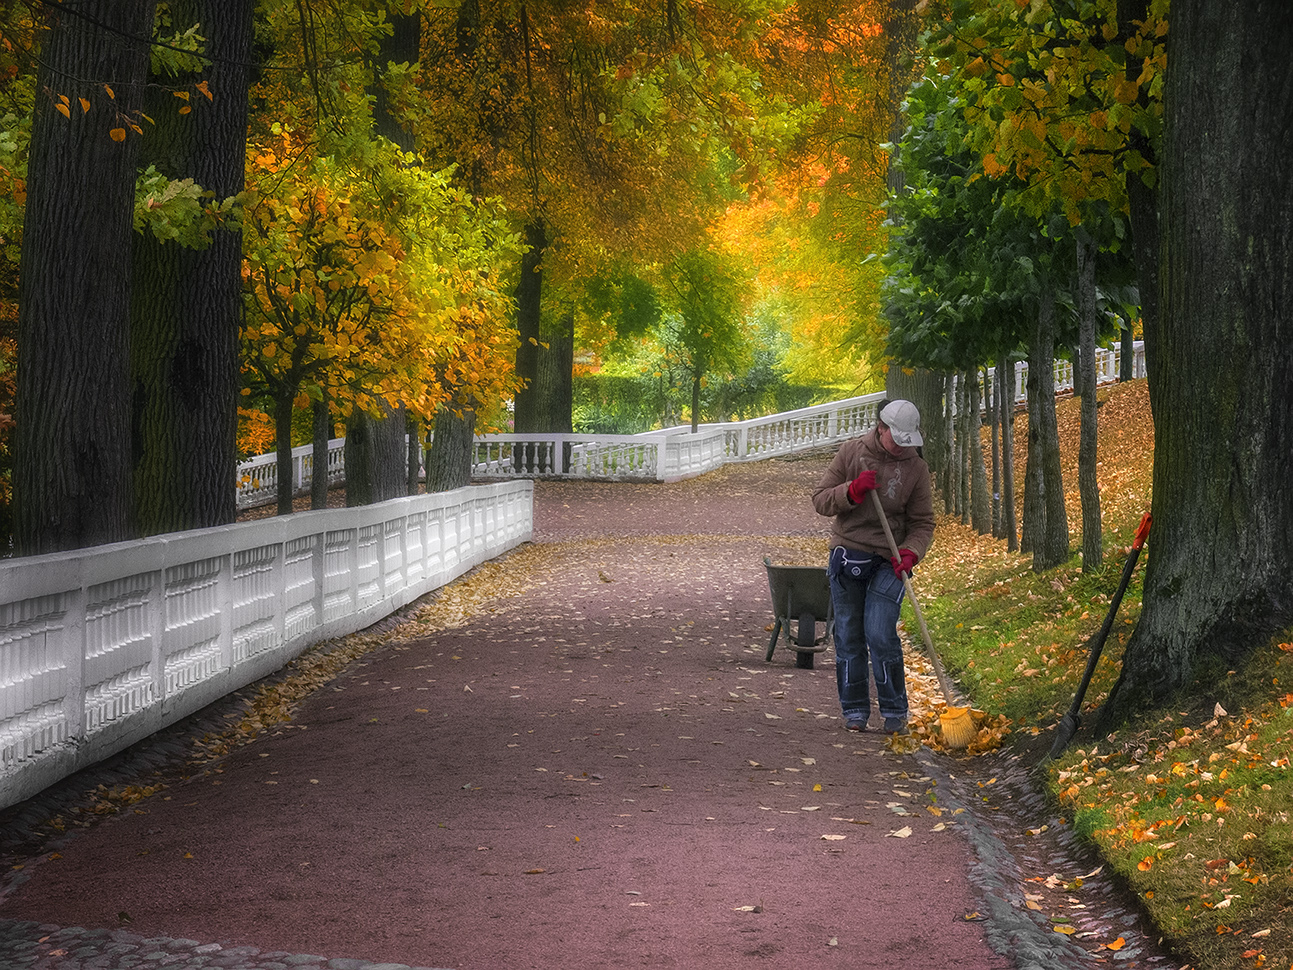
(801, 594)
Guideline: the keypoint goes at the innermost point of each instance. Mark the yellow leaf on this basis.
(1144, 864)
(1066, 930)
(202, 86)
(112, 94)
(63, 110)
(117, 134)
(1117, 944)
(817, 787)
(185, 110)
(85, 105)
(181, 94)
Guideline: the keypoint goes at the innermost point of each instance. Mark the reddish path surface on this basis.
(599, 770)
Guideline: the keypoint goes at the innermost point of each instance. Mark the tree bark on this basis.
(319, 464)
(449, 458)
(980, 501)
(963, 476)
(1006, 398)
(527, 414)
(72, 444)
(1143, 203)
(1051, 539)
(186, 304)
(375, 457)
(286, 485)
(993, 407)
(1219, 578)
(1088, 483)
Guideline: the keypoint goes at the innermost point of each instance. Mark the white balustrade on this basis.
(103, 646)
(666, 455)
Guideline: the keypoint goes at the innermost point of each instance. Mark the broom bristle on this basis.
(958, 727)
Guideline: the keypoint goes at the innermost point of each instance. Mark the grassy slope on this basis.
(1192, 804)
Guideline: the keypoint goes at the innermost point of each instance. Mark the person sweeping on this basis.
(866, 579)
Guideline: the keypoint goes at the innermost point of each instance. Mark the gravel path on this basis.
(595, 769)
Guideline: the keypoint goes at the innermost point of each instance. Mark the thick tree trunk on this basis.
(923, 388)
(980, 500)
(413, 466)
(319, 452)
(1088, 483)
(1052, 538)
(963, 476)
(1006, 398)
(72, 444)
(186, 304)
(527, 415)
(286, 484)
(1143, 203)
(375, 457)
(993, 407)
(449, 457)
(949, 444)
(1219, 579)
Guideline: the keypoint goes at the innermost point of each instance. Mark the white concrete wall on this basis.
(102, 647)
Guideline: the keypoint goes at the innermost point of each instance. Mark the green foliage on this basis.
(180, 210)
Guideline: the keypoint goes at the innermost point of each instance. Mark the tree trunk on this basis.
(286, 485)
(980, 501)
(1127, 360)
(449, 458)
(1052, 540)
(949, 444)
(375, 457)
(1220, 567)
(319, 465)
(186, 304)
(1088, 483)
(695, 401)
(72, 444)
(1143, 203)
(994, 421)
(527, 415)
(414, 463)
(923, 388)
(1006, 397)
(963, 477)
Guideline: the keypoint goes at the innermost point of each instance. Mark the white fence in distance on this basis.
(664, 456)
(104, 646)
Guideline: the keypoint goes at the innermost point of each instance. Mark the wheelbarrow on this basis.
(800, 595)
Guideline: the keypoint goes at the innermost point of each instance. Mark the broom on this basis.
(958, 726)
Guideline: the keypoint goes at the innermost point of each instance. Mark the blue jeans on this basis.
(866, 622)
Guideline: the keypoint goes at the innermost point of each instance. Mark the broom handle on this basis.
(915, 604)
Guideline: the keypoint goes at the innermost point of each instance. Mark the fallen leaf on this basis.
(834, 838)
(1219, 711)
(1066, 930)
(534, 872)
(1117, 944)
(901, 833)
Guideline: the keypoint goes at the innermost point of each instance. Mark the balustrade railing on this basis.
(667, 455)
(103, 646)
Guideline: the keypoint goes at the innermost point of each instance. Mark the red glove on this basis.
(858, 488)
(905, 564)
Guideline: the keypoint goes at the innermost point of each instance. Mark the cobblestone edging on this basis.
(37, 946)
(1007, 859)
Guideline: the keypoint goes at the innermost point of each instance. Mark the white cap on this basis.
(903, 421)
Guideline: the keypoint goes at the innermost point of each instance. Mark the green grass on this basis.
(1190, 804)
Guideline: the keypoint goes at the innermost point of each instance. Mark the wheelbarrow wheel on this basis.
(806, 636)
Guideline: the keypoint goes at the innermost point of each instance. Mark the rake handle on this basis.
(943, 683)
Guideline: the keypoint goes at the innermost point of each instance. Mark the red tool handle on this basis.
(1142, 531)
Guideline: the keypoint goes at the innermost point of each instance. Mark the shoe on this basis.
(895, 725)
(855, 724)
